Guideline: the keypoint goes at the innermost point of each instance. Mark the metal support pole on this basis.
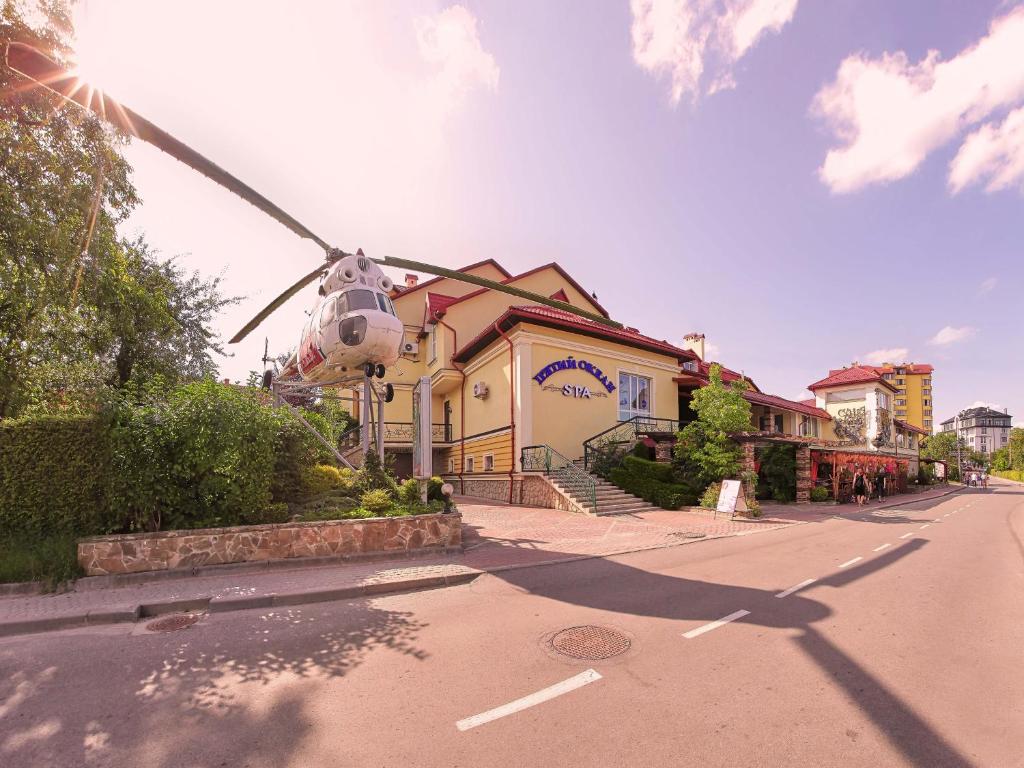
(367, 413)
(380, 427)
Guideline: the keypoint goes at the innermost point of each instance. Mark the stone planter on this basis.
(166, 550)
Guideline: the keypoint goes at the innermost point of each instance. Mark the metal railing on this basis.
(402, 432)
(579, 483)
(606, 450)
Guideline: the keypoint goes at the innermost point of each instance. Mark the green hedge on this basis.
(647, 469)
(54, 476)
(665, 495)
(1010, 474)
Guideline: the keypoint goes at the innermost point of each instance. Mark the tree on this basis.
(943, 446)
(705, 447)
(80, 308)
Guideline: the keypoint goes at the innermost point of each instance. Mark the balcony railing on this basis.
(402, 432)
(606, 449)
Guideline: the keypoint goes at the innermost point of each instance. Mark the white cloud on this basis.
(711, 350)
(894, 355)
(987, 285)
(950, 335)
(688, 39)
(890, 114)
(993, 152)
(450, 42)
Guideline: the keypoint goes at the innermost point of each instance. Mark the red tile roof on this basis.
(759, 398)
(437, 303)
(891, 368)
(857, 374)
(557, 318)
(553, 265)
(401, 290)
(911, 427)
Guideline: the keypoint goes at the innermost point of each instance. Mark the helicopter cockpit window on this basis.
(327, 314)
(385, 304)
(353, 330)
(352, 301)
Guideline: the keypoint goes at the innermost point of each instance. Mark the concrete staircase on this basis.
(611, 500)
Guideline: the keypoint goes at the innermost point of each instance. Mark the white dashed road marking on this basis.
(905, 535)
(714, 624)
(791, 590)
(879, 549)
(558, 689)
(851, 562)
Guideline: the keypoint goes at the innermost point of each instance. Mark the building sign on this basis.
(571, 364)
(575, 390)
(730, 497)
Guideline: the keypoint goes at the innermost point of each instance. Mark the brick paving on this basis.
(496, 537)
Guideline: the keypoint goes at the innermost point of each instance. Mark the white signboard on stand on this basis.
(731, 495)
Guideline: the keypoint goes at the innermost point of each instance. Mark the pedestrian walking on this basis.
(860, 485)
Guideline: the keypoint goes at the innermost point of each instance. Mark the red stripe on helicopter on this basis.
(310, 355)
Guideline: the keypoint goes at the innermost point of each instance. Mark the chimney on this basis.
(695, 343)
(411, 280)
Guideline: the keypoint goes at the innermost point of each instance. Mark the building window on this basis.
(900, 382)
(690, 365)
(887, 376)
(488, 462)
(927, 402)
(926, 382)
(451, 466)
(432, 344)
(469, 464)
(634, 396)
(900, 402)
(883, 400)
(928, 423)
(926, 391)
(808, 427)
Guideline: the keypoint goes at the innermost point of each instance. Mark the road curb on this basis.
(249, 602)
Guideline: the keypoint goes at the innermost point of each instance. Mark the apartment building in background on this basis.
(912, 402)
(982, 429)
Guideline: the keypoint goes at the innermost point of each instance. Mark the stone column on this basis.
(663, 451)
(749, 484)
(803, 474)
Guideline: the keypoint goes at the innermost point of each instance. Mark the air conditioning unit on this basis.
(480, 390)
(410, 348)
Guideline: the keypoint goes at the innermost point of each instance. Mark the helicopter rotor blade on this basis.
(483, 282)
(272, 306)
(44, 71)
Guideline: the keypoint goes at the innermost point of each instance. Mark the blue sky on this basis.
(531, 132)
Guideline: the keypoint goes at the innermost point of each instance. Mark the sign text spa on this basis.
(570, 364)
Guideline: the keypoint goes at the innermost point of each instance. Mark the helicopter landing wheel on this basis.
(369, 370)
(380, 371)
(389, 393)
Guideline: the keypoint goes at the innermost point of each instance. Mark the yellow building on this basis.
(913, 390)
(507, 375)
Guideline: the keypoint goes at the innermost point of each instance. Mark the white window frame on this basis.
(451, 466)
(631, 412)
(432, 344)
(470, 465)
(488, 462)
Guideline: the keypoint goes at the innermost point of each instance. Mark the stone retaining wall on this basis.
(165, 550)
(530, 490)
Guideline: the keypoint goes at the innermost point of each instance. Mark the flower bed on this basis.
(166, 550)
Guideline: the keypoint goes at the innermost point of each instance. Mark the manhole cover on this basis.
(590, 642)
(172, 623)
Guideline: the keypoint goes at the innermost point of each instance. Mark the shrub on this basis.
(434, 489)
(377, 501)
(51, 559)
(709, 499)
(781, 495)
(646, 468)
(409, 494)
(202, 458)
(296, 450)
(664, 494)
(819, 493)
(54, 476)
(374, 476)
(754, 508)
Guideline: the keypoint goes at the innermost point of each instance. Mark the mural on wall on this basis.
(849, 424)
(884, 436)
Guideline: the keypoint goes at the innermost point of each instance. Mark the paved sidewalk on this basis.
(496, 537)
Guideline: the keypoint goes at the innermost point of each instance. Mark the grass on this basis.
(52, 559)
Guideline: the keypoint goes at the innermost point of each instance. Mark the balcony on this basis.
(402, 432)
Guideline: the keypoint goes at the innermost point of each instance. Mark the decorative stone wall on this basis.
(165, 550)
(663, 451)
(749, 473)
(530, 490)
(803, 474)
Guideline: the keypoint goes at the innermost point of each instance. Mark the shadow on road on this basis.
(609, 585)
(176, 700)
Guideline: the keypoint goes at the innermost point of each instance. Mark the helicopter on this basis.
(353, 330)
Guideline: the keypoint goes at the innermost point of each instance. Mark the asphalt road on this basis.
(912, 654)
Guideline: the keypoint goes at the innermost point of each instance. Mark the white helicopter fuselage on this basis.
(352, 325)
